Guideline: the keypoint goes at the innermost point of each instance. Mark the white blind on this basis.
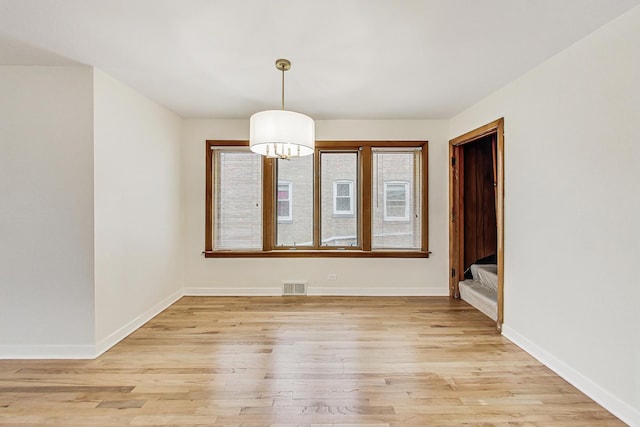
(237, 199)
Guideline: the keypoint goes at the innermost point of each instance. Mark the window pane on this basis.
(295, 228)
(283, 191)
(342, 189)
(396, 210)
(338, 214)
(396, 189)
(283, 209)
(343, 204)
(396, 192)
(237, 199)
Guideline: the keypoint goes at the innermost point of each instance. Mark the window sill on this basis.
(305, 253)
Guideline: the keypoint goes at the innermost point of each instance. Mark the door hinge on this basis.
(453, 272)
(453, 217)
(453, 161)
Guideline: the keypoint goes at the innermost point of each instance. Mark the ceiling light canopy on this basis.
(280, 133)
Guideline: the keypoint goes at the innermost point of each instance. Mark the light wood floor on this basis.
(308, 361)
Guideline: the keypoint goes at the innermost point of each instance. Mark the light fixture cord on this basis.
(282, 69)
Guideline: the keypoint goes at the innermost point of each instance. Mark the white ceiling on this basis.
(352, 59)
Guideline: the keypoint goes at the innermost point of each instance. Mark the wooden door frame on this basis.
(456, 194)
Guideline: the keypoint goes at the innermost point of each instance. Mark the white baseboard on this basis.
(120, 334)
(47, 351)
(606, 399)
(321, 290)
(235, 292)
(398, 291)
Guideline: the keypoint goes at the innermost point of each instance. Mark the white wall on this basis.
(138, 259)
(572, 178)
(355, 276)
(46, 212)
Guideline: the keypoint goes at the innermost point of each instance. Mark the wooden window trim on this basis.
(363, 199)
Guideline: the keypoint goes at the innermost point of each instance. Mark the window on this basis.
(298, 229)
(358, 199)
(396, 207)
(397, 214)
(284, 201)
(236, 208)
(338, 169)
(343, 197)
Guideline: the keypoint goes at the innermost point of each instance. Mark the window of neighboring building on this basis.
(284, 201)
(352, 199)
(343, 197)
(396, 205)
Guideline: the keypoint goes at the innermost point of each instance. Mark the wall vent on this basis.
(294, 288)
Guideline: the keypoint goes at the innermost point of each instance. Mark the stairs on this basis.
(482, 291)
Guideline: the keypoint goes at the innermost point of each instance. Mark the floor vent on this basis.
(294, 288)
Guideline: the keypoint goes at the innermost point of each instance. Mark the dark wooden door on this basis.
(480, 232)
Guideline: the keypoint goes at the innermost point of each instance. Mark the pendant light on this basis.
(281, 133)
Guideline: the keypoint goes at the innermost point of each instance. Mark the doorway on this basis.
(476, 205)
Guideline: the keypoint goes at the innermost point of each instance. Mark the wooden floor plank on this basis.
(301, 361)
